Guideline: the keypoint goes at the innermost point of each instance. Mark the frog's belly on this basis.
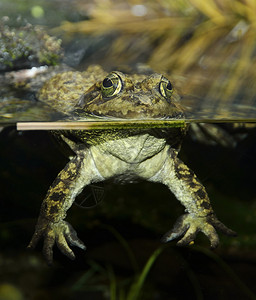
(130, 159)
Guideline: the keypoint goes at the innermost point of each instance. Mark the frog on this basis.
(120, 155)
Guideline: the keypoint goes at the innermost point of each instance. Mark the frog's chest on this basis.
(134, 149)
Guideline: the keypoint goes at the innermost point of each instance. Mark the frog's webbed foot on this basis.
(188, 225)
(61, 233)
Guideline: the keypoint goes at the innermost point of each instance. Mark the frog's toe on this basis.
(179, 228)
(73, 239)
(64, 248)
(61, 233)
(211, 233)
(220, 226)
(48, 245)
(187, 227)
(40, 229)
(34, 240)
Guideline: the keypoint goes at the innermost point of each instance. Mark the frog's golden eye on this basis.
(165, 88)
(111, 85)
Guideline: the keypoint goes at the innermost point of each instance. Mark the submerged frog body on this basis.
(125, 156)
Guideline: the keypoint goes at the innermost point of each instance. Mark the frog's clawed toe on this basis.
(220, 226)
(188, 225)
(61, 233)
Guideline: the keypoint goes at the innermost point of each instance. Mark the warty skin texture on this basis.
(125, 156)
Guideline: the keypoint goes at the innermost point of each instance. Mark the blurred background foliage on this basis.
(208, 45)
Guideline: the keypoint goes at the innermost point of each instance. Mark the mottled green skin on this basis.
(121, 155)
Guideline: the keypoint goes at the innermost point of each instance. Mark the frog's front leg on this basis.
(79, 172)
(191, 193)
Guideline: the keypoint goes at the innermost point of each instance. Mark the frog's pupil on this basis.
(107, 83)
(169, 86)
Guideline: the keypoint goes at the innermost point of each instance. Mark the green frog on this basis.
(123, 155)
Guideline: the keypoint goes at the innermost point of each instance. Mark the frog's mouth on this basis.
(142, 113)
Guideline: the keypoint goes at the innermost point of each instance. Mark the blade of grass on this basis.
(83, 279)
(113, 283)
(136, 288)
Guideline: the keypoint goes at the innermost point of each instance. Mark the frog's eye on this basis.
(165, 88)
(111, 85)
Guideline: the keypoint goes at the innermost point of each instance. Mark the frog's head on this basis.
(132, 97)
